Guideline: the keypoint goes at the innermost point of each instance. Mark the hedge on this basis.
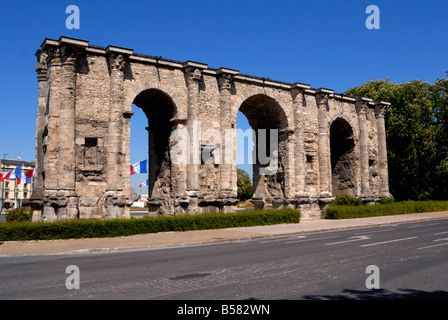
(334, 211)
(124, 227)
(18, 215)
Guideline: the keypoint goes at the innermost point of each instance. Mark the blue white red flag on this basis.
(144, 184)
(18, 174)
(4, 176)
(23, 179)
(29, 175)
(139, 167)
(12, 174)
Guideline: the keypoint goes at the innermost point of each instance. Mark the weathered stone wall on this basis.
(86, 100)
(92, 122)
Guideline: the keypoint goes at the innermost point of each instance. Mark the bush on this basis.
(350, 211)
(18, 215)
(347, 200)
(385, 200)
(114, 228)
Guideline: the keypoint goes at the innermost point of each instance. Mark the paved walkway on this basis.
(187, 238)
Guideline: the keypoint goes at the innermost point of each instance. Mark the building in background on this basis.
(10, 192)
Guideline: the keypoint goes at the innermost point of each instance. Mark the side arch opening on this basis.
(343, 158)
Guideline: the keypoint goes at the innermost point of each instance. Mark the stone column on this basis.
(380, 111)
(193, 72)
(361, 108)
(226, 165)
(178, 149)
(323, 97)
(299, 148)
(289, 169)
(68, 200)
(228, 171)
(51, 134)
(125, 171)
(35, 201)
(41, 70)
(115, 198)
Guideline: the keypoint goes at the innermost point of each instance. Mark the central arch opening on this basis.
(266, 119)
(159, 109)
(342, 148)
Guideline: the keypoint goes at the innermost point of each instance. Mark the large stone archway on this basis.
(86, 94)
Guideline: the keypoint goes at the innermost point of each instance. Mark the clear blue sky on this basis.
(322, 43)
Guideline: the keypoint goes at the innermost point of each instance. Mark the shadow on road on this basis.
(381, 294)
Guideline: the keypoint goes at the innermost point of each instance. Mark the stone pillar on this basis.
(35, 201)
(380, 111)
(323, 97)
(361, 109)
(227, 165)
(299, 148)
(115, 198)
(125, 171)
(178, 149)
(51, 134)
(41, 70)
(193, 72)
(59, 161)
(68, 200)
(289, 169)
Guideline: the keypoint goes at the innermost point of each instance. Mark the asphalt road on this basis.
(412, 259)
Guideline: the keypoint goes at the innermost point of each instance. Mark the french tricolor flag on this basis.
(24, 180)
(5, 176)
(12, 175)
(144, 184)
(139, 167)
(29, 175)
(17, 175)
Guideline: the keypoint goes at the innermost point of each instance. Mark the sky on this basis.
(321, 43)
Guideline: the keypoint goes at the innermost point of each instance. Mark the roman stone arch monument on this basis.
(326, 144)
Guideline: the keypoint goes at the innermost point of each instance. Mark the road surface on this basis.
(411, 258)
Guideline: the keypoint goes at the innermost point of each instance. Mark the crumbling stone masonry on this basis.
(329, 144)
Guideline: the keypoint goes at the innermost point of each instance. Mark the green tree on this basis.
(439, 94)
(245, 189)
(417, 135)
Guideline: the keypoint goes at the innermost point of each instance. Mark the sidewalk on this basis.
(187, 238)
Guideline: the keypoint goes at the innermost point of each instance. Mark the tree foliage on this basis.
(245, 189)
(417, 135)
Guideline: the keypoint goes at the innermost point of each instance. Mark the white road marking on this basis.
(440, 233)
(436, 245)
(389, 241)
(351, 239)
(312, 239)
